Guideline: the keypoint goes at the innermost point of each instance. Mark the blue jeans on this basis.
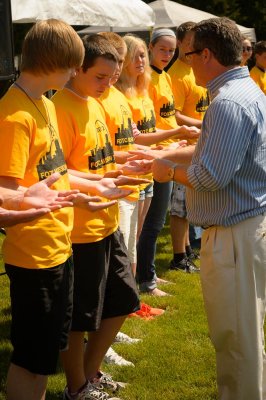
(153, 224)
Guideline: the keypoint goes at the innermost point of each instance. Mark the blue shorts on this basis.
(146, 192)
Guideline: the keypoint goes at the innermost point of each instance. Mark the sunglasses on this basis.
(248, 48)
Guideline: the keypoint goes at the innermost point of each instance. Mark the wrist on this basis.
(14, 201)
(171, 172)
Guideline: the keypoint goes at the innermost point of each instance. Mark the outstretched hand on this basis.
(136, 167)
(40, 195)
(188, 132)
(92, 203)
(12, 217)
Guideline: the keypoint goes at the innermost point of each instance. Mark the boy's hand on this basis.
(92, 203)
(40, 195)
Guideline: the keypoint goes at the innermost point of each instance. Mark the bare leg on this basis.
(73, 361)
(179, 233)
(134, 268)
(98, 344)
(24, 385)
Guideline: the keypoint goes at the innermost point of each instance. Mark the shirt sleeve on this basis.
(226, 133)
(15, 141)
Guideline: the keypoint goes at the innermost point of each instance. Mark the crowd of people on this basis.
(88, 176)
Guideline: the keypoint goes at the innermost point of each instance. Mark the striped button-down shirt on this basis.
(228, 169)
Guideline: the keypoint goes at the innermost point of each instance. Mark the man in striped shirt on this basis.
(227, 195)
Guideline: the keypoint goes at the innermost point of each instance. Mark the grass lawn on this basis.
(175, 360)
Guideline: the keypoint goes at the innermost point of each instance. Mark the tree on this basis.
(250, 14)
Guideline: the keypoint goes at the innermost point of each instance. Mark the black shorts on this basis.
(104, 285)
(41, 308)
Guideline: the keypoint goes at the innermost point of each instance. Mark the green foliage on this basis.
(251, 14)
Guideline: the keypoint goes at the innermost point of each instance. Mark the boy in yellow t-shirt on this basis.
(37, 254)
(104, 286)
(258, 72)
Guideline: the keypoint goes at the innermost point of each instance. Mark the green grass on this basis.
(175, 360)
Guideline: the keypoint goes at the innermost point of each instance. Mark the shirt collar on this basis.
(235, 73)
(159, 71)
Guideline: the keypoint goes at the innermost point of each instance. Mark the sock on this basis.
(179, 257)
(189, 250)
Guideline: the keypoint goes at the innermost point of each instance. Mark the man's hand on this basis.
(163, 170)
(91, 203)
(136, 167)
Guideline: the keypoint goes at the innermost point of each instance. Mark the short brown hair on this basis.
(97, 46)
(260, 47)
(182, 29)
(116, 40)
(51, 45)
(222, 37)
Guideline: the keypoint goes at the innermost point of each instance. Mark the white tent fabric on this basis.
(171, 14)
(130, 13)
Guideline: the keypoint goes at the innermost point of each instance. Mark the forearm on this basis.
(83, 185)
(180, 175)
(147, 139)
(85, 175)
(182, 119)
(182, 155)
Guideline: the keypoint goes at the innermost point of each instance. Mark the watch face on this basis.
(171, 172)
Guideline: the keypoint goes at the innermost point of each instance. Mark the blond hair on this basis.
(51, 45)
(133, 43)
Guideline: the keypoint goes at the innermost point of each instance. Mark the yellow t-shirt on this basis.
(259, 76)
(87, 148)
(119, 119)
(161, 94)
(31, 152)
(144, 117)
(192, 100)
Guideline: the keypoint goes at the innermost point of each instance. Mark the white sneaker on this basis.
(90, 392)
(123, 338)
(111, 357)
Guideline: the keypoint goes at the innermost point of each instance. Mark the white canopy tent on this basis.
(171, 14)
(108, 13)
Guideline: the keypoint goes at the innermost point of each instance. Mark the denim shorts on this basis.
(146, 193)
(178, 201)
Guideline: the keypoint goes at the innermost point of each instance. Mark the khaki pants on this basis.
(233, 277)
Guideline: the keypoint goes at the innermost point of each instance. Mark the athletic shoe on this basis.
(184, 265)
(111, 357)
(88, 393)
(123, 338)
(106, 382)
(194, 256)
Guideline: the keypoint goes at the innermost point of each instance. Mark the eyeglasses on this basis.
(189, 54)
(248, 48)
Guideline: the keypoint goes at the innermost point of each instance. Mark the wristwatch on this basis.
(171, 172)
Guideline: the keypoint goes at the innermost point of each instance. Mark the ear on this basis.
(206, 55)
